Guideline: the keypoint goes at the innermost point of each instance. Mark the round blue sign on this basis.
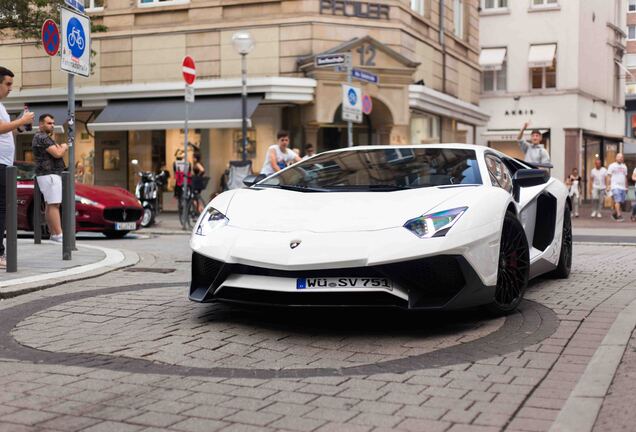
(75, 37)
(353, 98)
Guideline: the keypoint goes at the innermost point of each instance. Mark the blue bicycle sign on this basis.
(353, 98)
(75, 37)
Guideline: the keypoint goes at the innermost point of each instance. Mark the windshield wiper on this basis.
(296, 188)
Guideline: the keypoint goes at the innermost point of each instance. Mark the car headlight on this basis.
(85, 201)
(210, 220)
(434, 224)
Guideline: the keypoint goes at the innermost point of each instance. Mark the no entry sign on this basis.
(189, 70)
(50, 37)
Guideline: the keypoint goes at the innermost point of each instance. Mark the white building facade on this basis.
(557, 65)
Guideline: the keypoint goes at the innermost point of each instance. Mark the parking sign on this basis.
(76, 43)
(351, 104)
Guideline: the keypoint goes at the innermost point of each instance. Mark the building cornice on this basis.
(274, 89)
(426, 99)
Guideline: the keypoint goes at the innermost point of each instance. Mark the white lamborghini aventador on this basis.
(423, 227)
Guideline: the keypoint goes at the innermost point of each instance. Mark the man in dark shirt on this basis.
(49, 164)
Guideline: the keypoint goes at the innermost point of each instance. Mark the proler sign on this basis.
(355, 9)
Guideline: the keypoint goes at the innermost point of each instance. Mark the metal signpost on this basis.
(189, 75)
(76, 53)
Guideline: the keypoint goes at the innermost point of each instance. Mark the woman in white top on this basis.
(278, 155)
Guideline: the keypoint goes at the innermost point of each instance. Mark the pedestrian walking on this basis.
(181, 169)
(533, 150)
(617, 185)
(198, 179)
(573, 183)
(279, 155)
(7, 148)
(597, 178)
(49, 164)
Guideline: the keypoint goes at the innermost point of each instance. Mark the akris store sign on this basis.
(356, 9)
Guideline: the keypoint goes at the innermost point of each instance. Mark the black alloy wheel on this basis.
(514, 267)
(565, 257)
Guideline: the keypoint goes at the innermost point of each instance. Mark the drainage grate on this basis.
(150, 270)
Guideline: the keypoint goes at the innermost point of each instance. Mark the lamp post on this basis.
(243, 44)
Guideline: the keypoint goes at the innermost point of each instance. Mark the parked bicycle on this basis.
(195, 203)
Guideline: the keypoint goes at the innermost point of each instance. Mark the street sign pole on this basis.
(185, 167)
(71, 162)
(349, 81)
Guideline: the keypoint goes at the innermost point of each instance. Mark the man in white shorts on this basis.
(49, 164)
(617, 185)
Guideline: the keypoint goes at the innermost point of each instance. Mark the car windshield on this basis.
(26, 171)
(380, 170)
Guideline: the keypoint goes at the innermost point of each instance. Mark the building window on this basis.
(632, 6)
(418, 6)
(495, 80)
(458, 16)
(630, 61)
(544, 3)
(544, 77)
(495, 4)
(631, 32)
(94, 5)
(161, 2)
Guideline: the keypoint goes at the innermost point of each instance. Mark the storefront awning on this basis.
(58, 111)
(492, 58)
(169, 113)
(541, 55)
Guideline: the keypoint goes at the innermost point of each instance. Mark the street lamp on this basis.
(243, 44)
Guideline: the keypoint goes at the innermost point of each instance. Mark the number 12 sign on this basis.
(76, 43)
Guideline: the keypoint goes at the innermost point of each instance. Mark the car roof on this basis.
(477, 148)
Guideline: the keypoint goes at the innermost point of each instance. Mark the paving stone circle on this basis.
(153, 328)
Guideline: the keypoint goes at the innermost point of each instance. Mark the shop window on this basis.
(425, 129)
(458, 18)
(111, 160)
(495, 80)
(544, 77)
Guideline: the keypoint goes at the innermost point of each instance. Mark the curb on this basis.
(584, 403)
(114, 260)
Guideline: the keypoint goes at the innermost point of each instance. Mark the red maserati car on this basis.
(110, 210)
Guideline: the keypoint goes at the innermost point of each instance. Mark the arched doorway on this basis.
(375, 129)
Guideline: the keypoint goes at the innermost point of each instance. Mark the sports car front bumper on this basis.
(237, 265)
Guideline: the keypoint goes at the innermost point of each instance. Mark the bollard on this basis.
(37, 213)
(67, 200)
(12, 219)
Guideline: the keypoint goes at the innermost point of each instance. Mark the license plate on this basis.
(125, 226)
(346, 282)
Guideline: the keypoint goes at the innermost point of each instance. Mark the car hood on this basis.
(108, 196)
(270, 209)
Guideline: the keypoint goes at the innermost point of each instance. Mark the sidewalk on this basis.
(41, 266)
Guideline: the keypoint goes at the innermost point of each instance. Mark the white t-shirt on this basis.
(281, 158)
(619, 175)
(7, 146)
(598, 177)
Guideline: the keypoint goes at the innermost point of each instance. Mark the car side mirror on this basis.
(528, 178)
(252, 179)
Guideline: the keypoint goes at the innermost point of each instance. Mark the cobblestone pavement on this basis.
(128, 352)
(618, 413)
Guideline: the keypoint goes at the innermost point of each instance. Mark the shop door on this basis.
(111, 159)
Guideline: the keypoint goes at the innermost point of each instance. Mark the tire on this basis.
(513, 269)
(148, 218)
(565, 256)
(115, 234)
